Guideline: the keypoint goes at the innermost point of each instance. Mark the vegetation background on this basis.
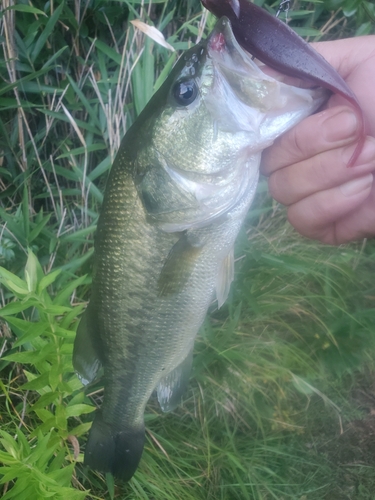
(282, 397)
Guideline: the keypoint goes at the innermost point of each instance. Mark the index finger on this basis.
(330, 129)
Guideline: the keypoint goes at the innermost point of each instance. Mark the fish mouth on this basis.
(223, 48)
(236, 70)
(222, 45)
(222, 37)
(248, 81)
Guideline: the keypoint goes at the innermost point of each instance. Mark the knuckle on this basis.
(319, 169)
(276, 182)
(310, 218)
(272, 186)
(298, 143)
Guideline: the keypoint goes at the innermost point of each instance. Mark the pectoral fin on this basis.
(171, 387)
(225, 278)
(179, 264)
(85, 356)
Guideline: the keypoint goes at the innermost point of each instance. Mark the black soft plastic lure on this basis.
(279, 47)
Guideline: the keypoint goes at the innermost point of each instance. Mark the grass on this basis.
(280, 394)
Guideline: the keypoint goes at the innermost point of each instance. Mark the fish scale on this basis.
(178, 192)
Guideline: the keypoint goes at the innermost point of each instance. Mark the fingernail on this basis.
(367, 154)
(357, 185)
(340, 126)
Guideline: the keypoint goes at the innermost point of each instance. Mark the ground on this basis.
(345, 448)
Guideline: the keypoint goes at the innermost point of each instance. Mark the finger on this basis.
(329, 129)
(291, 184)
(317, 215)
(358, 224)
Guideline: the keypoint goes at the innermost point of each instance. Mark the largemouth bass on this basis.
(179, 189)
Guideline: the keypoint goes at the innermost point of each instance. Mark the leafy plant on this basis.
(36, 470)
(45, 333)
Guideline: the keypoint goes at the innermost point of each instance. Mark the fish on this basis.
(278, 46)
(178, 192)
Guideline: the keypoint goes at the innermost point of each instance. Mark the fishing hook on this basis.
(284, 6)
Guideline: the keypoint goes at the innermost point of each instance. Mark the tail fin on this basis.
(115, 452)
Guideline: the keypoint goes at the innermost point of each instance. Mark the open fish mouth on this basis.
(253, 84)
(252, 97)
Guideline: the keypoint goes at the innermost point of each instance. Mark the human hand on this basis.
(307, 166)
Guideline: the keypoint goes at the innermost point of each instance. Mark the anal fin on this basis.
(171, 387)
(225, 278)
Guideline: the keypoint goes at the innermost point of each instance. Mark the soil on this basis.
(349, 446)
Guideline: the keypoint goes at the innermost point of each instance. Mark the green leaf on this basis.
(108, 51)
(66, 349)
(54, 376)
(110, 481)
(19, 490)
(38, 228)
(90, 110)
(81, 233)
(99, 170)
(26, 8)
(302, 386)
(32, 331)
(43, 451)
(25, 211)
(48, 280)
(19, 83)
(37, 383)
(9, 473)
(64, 295)
(79, 409)
(61, 418)
(82, 150)
(62, 117)
(44, 415)
(7, 459)
(165, 72)
(46, 399)
(63, 476)
(24, 445)
(13, 282)
(307, 31)
(41, 42)
(57, 462)
(71, 316)
(55, 56)
(81, 429)
(24, 357)
(74, 383)
(10, 445)
(56, 310)
(16, 307)
(33, 271)
(22, 325)
(62, 332)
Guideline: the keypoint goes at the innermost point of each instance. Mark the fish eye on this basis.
(185, 92)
